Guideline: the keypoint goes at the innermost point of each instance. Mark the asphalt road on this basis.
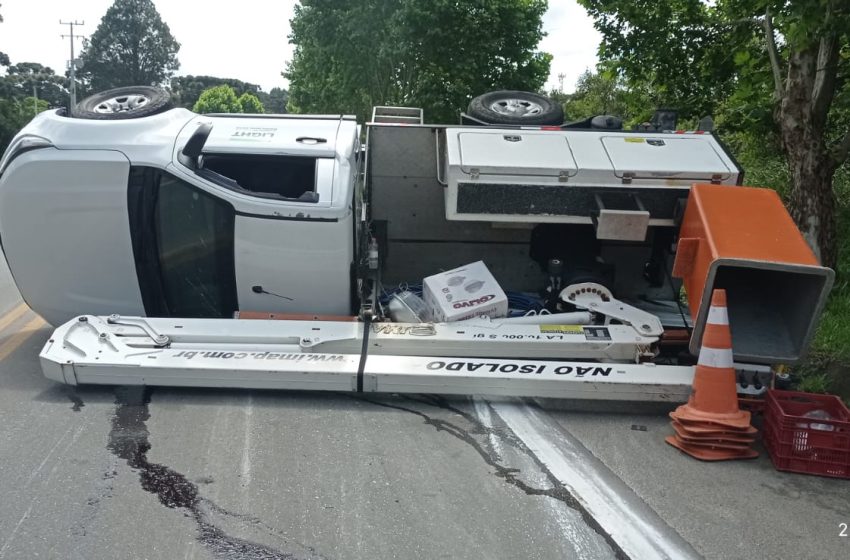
(105, 472)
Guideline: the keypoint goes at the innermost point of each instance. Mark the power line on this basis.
(73, 63)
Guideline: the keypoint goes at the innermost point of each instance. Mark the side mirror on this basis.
(195, 145)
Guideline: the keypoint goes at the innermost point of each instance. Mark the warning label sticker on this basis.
(562, 329)
(597, 333)
(634, 140)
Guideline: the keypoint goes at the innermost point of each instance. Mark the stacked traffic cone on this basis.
(710, 426)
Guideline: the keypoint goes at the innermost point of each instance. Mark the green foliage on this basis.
(15, 113)
(219, 99)
(17, 106)
(277, 100)
(249, 103)
(606, 93)
(350, 56)
(187, 89)
(673, 48)
(814, 383)
(708, 57)
(131, 46)
(21, 78)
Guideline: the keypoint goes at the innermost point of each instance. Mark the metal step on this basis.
(404, 115)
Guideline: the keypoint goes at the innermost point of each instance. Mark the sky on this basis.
(225, 39)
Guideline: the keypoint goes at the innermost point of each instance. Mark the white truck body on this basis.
(154, 233)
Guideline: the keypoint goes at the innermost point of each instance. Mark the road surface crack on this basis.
(510, 475)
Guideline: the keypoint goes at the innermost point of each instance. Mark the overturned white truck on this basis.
(276, 251)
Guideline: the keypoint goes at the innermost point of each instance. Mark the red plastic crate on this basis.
(807, 445)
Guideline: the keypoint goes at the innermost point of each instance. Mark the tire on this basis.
(516, 108)
(132, 102)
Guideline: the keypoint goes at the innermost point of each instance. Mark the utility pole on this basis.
(34, 101)
(71, 36)
(561, 77)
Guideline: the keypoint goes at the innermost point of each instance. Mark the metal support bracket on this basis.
(599, 299)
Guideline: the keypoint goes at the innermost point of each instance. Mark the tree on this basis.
(219, 99)
(277, 101)
(187, 89)
(17, 106)
(437, 55)
(131, 46)
(783, 58)
(14, 114)
(249, 103)
(22, 78)
(606, 93)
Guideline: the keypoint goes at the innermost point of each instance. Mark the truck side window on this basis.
(288, 177)
(183, 246)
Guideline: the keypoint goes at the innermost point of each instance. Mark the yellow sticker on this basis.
(635, 140)
(562, 329)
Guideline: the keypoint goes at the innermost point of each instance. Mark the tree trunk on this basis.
(801, 117)
(813, 201)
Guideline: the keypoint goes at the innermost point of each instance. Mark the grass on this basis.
(827, 367)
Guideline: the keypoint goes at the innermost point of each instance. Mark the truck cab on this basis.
(113, 217)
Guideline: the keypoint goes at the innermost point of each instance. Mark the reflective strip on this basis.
(716, 357)
(718, 316)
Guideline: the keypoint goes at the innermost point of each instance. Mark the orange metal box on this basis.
(742, 239)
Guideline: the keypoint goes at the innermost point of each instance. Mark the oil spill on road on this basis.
(129, 441)
(77, 403)
(511, 476)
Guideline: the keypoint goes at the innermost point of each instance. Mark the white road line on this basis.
(11, 536)
(630, 522)
(36, 471)
(568, 521)
(482, 410)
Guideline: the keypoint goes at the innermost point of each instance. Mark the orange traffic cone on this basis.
(711, 426)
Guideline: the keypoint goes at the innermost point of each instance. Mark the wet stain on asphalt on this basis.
(510, 475)
(129, 441)
(77, 403)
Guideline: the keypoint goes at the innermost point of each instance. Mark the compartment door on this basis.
(519, 152)
(656, 157)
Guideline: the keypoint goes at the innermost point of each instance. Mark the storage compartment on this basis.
(695, 158)
(516, 153)
(556, 176)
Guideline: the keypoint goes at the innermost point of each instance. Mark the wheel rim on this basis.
(122, 103)
(516, 107)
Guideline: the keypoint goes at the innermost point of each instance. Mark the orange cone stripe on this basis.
(718, 298)
(716, 336)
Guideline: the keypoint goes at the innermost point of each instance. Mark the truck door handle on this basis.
(310, 140)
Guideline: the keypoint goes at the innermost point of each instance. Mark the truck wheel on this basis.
(516, 108)
(131, 102)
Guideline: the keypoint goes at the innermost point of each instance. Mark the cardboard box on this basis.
(464, 293)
